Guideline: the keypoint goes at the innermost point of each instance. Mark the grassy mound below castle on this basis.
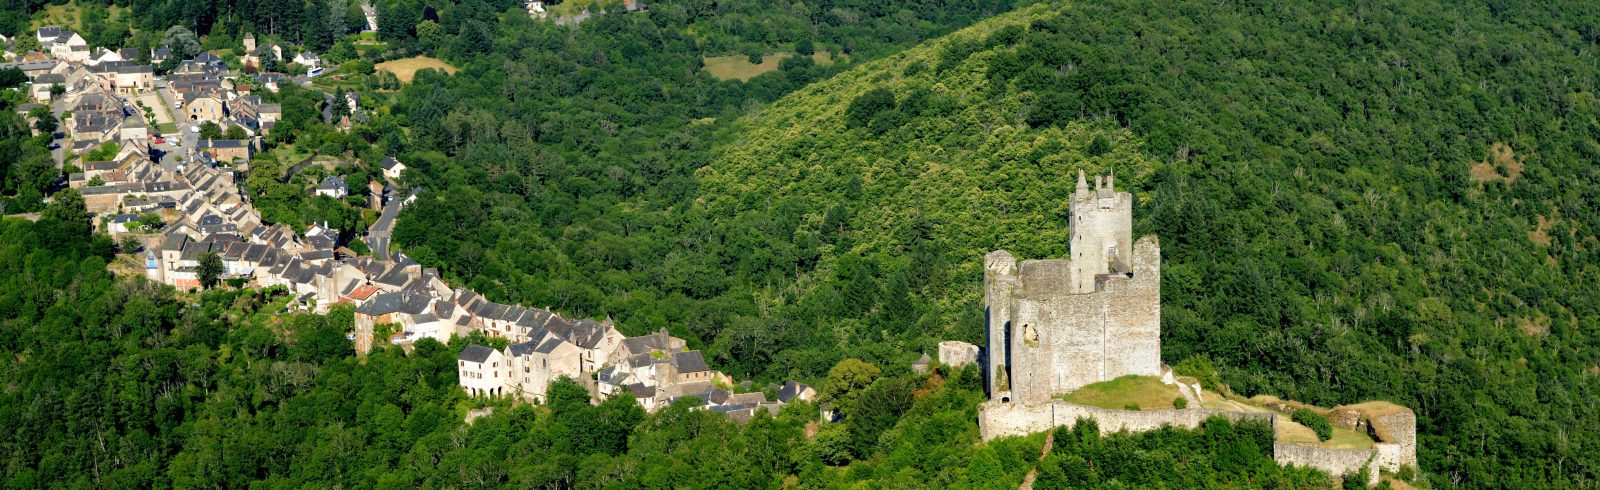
(1141, 392)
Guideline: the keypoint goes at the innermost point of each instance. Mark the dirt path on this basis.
(1049, 440)
(1189, 394)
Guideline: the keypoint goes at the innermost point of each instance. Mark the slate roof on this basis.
(522, 349)
(790, 391)
(586, 333)
(549, 345)
(476, 353)
(646, 343)
(640, 360)
(689, 362)
(223, 143)
(400, 302)
(174, 242)
(639, 390)
(333, 182)
(396, 277)
(750, 398)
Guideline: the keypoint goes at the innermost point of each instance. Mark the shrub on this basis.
(1180, 403)
(1131, 406)
(867, 106)
(1317, 423)
(1199, 367)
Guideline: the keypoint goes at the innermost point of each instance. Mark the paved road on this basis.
(378, 236)
(59, 107)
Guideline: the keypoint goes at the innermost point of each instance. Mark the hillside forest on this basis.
(1355, 201)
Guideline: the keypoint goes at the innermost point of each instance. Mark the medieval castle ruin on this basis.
(1056, 325)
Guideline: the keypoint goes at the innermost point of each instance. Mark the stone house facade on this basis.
(482, 371)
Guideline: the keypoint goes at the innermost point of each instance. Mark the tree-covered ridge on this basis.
(927, 169)
(1339, 217)
(556, 163)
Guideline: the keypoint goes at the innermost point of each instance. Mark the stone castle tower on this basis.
(1055, 325)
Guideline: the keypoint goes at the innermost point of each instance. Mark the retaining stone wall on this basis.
(1337, 462)
(1016, 419)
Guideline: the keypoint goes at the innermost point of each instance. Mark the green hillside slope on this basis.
(1355, 201)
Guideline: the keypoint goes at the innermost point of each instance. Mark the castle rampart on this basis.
(1016, 419)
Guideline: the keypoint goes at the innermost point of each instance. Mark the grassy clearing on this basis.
(69, 15)
(288, 155)
(406, 68)
(1501, 164)
(1289, 431)
(335, 79)
(739, 67)
(566, 9)
(1145, 391)
(1236, 403)
(1348, 439)
(126, 265)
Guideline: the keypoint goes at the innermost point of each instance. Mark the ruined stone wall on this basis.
(999, 280)
(1037, 330)
(1400, 430)
(996, 419)
(1085, 338)
(1391, 456)
(955, 353)
(1337, 462)
(1058, 343)
(1014, 419)
(1132, 312)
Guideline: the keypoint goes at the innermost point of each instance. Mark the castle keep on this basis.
(1055, 325)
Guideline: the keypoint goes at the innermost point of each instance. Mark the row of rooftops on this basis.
(403, 286)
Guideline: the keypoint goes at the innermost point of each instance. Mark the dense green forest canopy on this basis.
(1355, 201)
